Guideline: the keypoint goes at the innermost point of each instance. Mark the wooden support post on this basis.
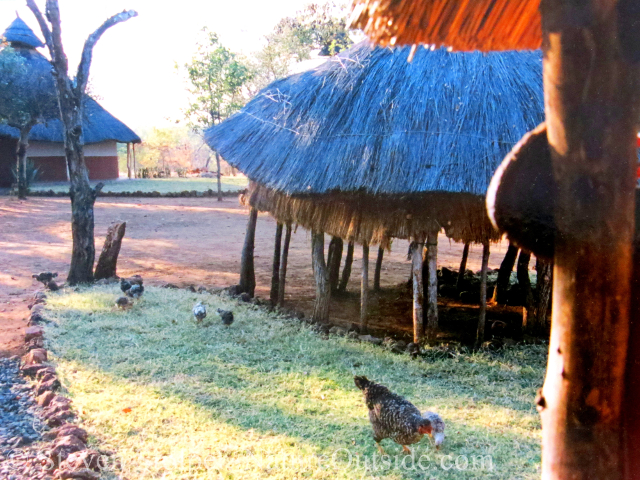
(524, 282)
(483, 295)
(108, 261)
(128, 160)
(247, 270)
(432, 286)
(591, 100)
(275, 272)
(463, 267)
(418, 292)
(335, 258)
(376, 275)
(283, 265)
(537, 319)
(346, 271)
(135, 163)
(321, 275)
(219, 177)
(504, 275)
(364, 288)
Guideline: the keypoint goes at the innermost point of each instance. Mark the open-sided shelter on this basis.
(102, 131)
(591, 423)
(369, 146)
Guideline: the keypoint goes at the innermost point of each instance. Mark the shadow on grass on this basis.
(274, 387)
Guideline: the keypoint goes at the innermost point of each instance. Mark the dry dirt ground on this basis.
(185, 241)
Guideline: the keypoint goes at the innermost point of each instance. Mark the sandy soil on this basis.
(183, 241)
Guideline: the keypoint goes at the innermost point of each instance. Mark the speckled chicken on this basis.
(437, 427)
(226, 316)
(392, 416)
(199, 312)
(135, 291)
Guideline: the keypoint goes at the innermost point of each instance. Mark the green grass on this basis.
(270, 398)
(162, 185)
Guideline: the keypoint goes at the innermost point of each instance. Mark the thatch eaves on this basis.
(464, 25)
(19, 33)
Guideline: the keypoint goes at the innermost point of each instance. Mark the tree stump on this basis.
(108, 261)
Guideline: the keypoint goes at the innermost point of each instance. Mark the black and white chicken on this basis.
(135, 291)
(437, 427)
(226, 316)
(199, 312)
(45, 277)
(125, 285)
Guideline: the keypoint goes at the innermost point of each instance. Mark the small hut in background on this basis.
(371, 146)
(102, 131)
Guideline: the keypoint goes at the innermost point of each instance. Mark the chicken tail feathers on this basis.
(361, 381)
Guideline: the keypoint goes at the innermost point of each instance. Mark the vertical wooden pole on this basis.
(275, 272)
(346, 271)
(591, 101)
(364, 288)
(418, 292)
(321, 275)
(247, 270)
(135, 163)
(524, 282)
(432, 285)
(376, 275)
(463, 267)
(504, 275)
(335, 258)
(483, 295)
(128, 160)
(283, 265)
(219, 177)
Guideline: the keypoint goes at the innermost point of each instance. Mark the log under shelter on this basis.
(369, 146)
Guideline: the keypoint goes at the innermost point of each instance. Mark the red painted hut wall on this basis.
(51, 169)
(102, 168)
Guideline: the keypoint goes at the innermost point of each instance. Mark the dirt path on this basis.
(182, 240)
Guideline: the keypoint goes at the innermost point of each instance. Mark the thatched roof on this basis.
(464, 25)
(19, 33)
(99, 125)
(367, 125)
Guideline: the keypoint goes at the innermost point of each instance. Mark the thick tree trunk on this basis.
(247, 270)
(591, 99)
(21, 165)
(418, 290)
(483, 295)
(275, 273)
(335, 258)
(219, 177)
(321, 275)
(346, 270)
(283, 265)
(364, 288)
(432, 286)
(504, 275)
(522, 272)
(376, 275)
(108, 261)
(463, 267)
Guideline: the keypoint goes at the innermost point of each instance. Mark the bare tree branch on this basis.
(87, 52)
(60, 61)
(43, 24)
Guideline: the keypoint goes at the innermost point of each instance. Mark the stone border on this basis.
(184, 194)
(68, 454)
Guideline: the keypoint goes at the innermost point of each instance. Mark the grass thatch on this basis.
(370, 124)
(464, 25)
(269, 398)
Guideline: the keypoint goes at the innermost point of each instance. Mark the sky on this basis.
(133, 70)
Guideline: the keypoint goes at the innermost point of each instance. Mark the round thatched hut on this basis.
(370, 146)
(101, 130)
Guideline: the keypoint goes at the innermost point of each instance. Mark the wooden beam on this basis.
(592, 109)
(418, 292)
(247, 269)
(321, 275)
(283, 265)
(275, 271)
(463, 267)
(432, 285)
(483, 295)
(364, 288)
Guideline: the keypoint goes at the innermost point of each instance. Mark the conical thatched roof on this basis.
(99, 125)
(464, 25)
(370, 124)
(20, 33)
